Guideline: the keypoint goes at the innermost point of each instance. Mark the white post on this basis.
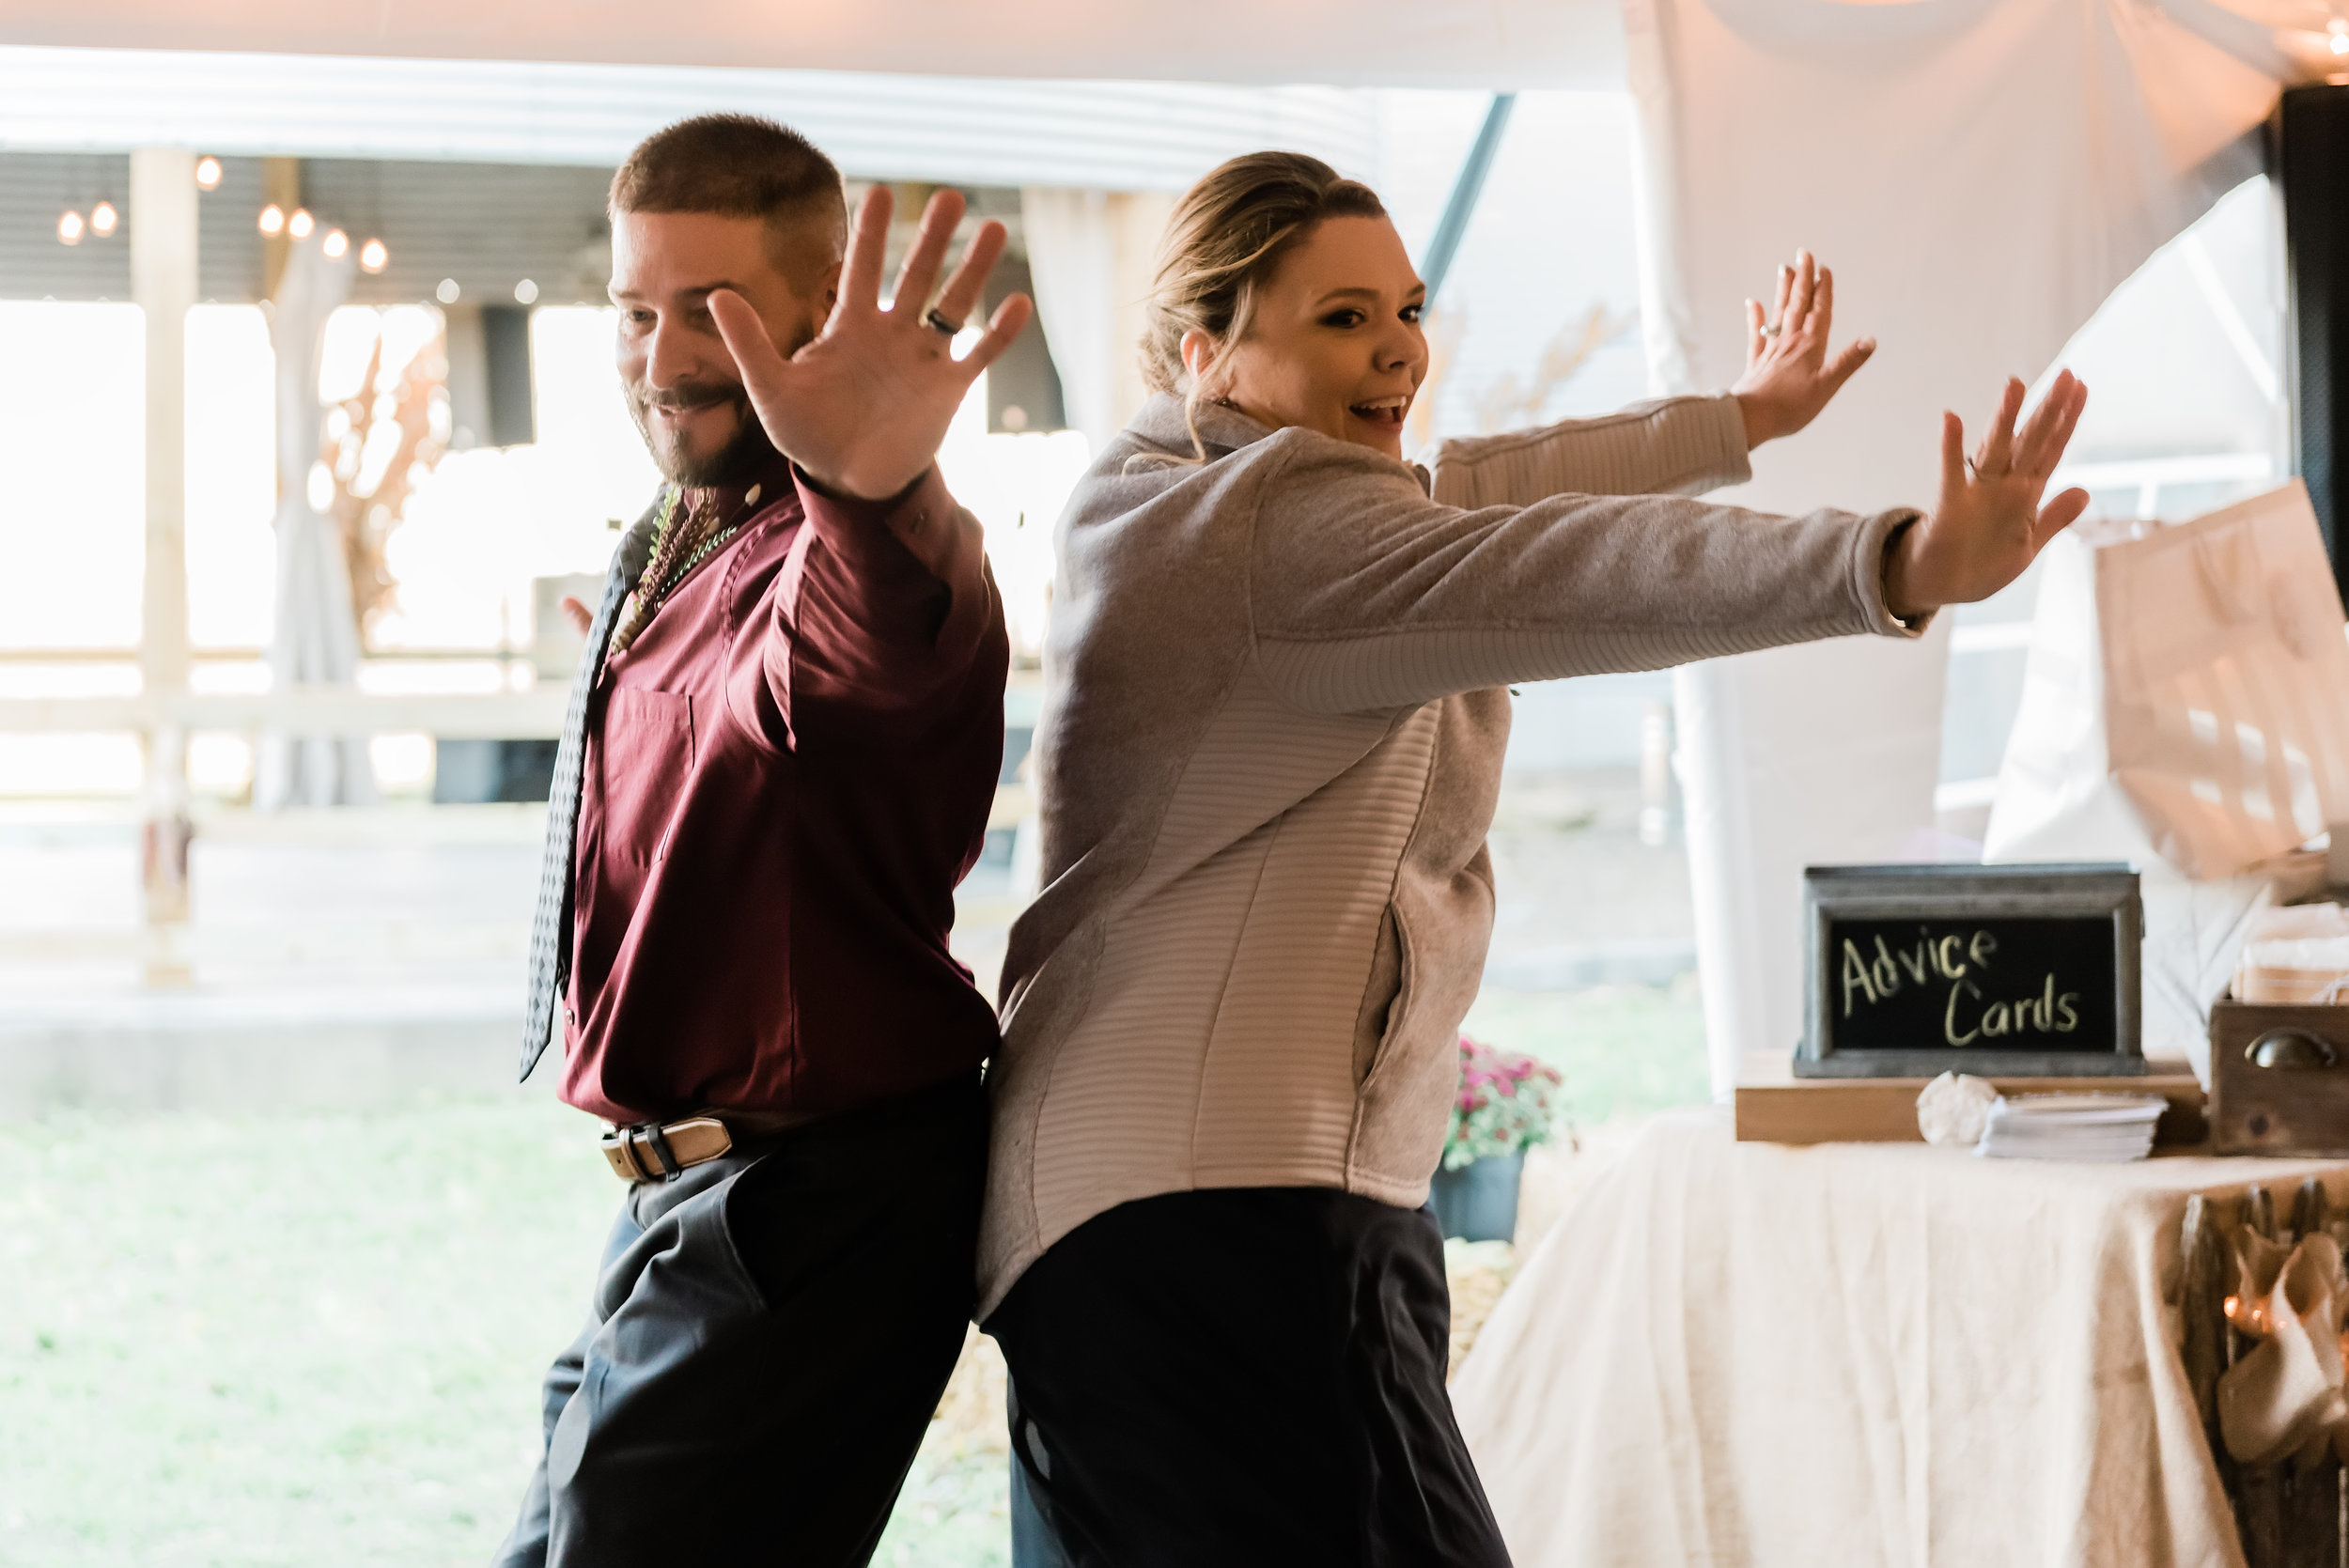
(163, 282)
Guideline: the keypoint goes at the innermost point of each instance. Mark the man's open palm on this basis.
(863, 407)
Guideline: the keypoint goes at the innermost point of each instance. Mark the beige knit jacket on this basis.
(1270, 748)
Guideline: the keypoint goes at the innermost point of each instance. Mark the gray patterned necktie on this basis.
(551, 927)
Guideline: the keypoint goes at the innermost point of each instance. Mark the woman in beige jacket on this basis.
(1270, 749)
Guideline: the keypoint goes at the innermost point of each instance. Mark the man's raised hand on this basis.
(863, 408)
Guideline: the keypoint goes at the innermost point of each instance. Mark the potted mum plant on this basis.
(1506, 1103)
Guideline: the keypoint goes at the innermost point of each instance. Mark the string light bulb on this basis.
(525, 293)
(69, 228)
(334, 245)
(273, 219)
(102, 219)
(372, 256)
(300, 225)
(448, 292)
(208, 173)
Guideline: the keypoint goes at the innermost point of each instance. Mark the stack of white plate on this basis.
(2072, 1126)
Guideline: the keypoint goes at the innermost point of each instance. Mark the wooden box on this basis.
(2278, 1078)
(1776, 1107)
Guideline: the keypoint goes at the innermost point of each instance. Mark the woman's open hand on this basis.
(1989, 525)
(863, 407)
(1788, 376)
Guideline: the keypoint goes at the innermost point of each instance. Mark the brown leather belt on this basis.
(660, 1150)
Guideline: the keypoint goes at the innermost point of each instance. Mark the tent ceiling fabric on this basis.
(1487, 44)
(1126, 137)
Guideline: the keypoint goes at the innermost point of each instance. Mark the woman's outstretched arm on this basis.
(1672, 445)
(1366, 594)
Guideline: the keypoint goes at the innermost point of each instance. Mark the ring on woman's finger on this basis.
(940, 323)
(1770, 331)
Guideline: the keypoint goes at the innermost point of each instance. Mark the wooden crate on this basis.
(2298, 1107)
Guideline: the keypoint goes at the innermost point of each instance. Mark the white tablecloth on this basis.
(1853, 1355)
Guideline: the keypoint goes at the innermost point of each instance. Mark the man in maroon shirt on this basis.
(783, 746)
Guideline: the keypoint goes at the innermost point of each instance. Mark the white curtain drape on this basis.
(1980, 174)
(1071, 255)
(316, 640)
(1090, 253)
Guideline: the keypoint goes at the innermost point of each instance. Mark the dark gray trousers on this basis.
(768, 1337)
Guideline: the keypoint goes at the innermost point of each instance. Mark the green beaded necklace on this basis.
(650, 595)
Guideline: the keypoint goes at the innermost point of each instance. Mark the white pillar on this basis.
(163, 282)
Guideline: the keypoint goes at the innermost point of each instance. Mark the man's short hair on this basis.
(743, 166)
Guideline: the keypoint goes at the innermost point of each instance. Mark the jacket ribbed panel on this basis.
(1420, 666)
(1116, 1123)
(1304, 952)
(1271, 749)
(1681, 446)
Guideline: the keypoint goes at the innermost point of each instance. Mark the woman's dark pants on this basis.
(1240, 1376)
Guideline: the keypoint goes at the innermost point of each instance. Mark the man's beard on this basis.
(748, 454)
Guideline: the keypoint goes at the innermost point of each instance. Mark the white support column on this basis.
(163, 282)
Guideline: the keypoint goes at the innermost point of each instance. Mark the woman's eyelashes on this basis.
(1350, 317)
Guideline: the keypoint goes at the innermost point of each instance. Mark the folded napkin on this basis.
(2297, 953)
(2286, 1396)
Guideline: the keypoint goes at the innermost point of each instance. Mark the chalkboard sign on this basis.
(2023, 971)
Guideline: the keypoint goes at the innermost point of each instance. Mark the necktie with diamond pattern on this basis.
(551, 927)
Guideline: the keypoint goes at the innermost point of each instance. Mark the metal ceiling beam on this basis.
(1453, 227)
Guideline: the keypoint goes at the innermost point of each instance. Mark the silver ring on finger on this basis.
(1771, 332)
(939, 323)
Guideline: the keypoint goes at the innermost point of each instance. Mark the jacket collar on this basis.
(1224, 431)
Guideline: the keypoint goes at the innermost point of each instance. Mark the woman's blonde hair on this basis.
(1221, 243)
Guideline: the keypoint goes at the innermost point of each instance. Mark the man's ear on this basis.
(832, 287)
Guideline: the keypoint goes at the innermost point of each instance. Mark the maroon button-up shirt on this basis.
(785, 777)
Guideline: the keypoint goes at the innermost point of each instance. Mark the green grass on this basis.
(304, 1339)
(310, 1339)
(955, 1512)
(1626, 1051)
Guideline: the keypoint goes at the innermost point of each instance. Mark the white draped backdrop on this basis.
(1980, 174)
(1091, 253)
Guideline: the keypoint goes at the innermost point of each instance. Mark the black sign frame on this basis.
(2104, 894)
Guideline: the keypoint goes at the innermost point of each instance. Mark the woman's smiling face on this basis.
(1335, 345)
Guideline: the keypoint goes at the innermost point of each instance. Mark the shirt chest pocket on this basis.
(647, 754)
